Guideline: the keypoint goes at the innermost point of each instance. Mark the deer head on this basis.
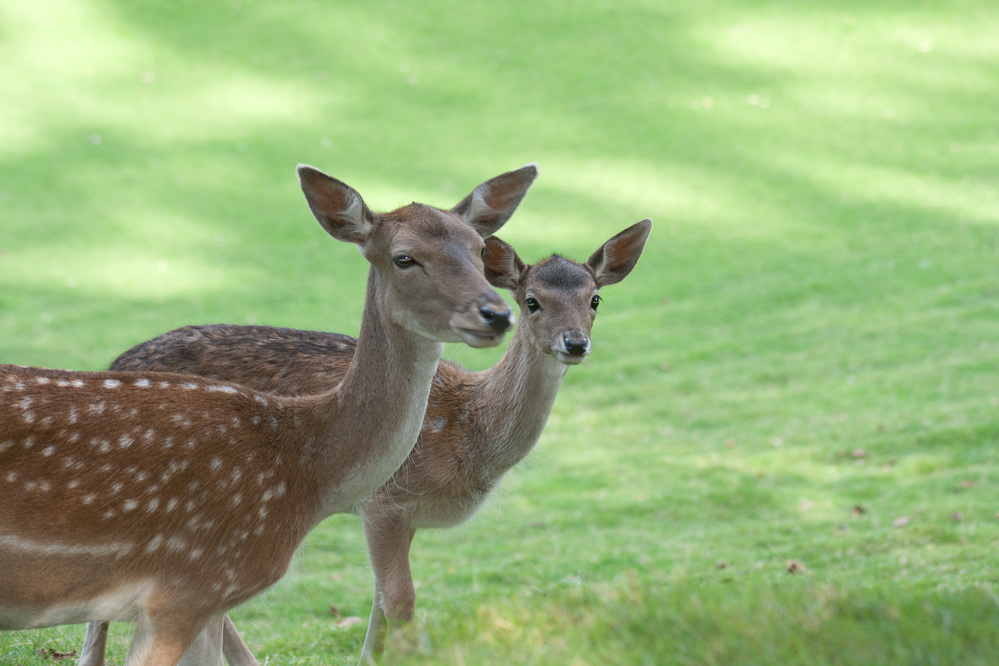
(559, 297)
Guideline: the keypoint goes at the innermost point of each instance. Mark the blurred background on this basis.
(802, 368)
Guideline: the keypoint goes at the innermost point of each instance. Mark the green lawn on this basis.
(807, 353)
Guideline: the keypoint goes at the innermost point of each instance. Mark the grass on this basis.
(806, 353)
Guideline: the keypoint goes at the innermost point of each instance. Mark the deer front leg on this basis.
(206, 650)
(235, 650)
(152, 646)
(94, 644)
(389, 539)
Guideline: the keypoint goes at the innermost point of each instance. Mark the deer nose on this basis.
(495, 320)
(576, 344)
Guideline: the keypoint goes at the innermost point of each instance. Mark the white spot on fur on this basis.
(116, 487)
(172, 504)
(153, 504)
(78, 383)
(143, 383)
(176, 543)
(48, 451)
(261, 399)
(11, 477)
(237, 498)
(111, 383)
(125, 441)
(190, 386)
(154, 545)
(29, 441)
(6, 445)
(221, 389)
(89, 499)
(42, 380)
(216, 464)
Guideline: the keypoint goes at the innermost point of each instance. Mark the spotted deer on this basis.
(166, 499)
(478, 424)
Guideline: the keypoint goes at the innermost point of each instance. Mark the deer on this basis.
(165, 500)
(478, 425)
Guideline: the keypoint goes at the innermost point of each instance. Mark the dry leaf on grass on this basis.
(958, 516)
(55, 654)
(334, 611)
(721, 564)
(795, 567)
(901, 521)
(857, 511)
(347, 622)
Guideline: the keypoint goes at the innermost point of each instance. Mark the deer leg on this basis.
(206, 650)
(374, 639)
(94, 644)
(235, 650)
(389, 540)
(153, 647)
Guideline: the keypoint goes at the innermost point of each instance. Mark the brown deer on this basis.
(478, 424)
(166, 499)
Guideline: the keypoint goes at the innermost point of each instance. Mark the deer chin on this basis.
(480, 339)
(569, 359)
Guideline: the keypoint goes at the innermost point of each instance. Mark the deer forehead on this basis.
(560, 278)
(421, 225)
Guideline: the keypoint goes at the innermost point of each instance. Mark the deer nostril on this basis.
(497, 321)
(574, 346)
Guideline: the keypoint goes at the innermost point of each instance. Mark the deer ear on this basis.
(338, 207)
(503, 267)
(615, 259)
(492, 203)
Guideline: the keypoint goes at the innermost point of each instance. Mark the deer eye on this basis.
(594, 302)
(404, 261)
(483, 253)
(532, 305)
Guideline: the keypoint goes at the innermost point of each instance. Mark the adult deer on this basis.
(478, 424)
(166, 500)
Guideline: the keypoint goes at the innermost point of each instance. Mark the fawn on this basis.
(165, 500)
(478, 424)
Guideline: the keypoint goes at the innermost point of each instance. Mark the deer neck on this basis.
(372, 419)
(516, 398)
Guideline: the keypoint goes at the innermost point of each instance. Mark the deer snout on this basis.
(578, 346)
(484, 322)
(572, 346)
(497, 321)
